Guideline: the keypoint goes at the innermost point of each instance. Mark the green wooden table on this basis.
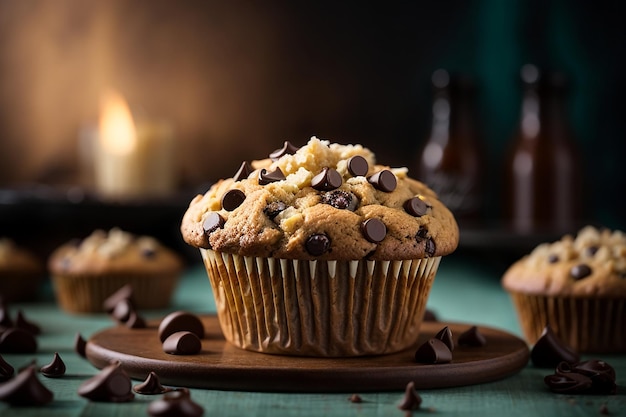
(464, 291)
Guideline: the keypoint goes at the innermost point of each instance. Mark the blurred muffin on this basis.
(577, 286)
(319, 251)
(85, 273)
(21, 272)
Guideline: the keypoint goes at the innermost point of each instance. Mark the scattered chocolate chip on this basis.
(430, 248)
(6, 370)
(317, 244)
(135, 321)
(269, 177)
(355, 398)
(16, 340)
(287, 149)
(80, 345)
(553, 258)
(123, 293)
(374, 230)
(549, 351)
(415, 207)
(122, 310)
(384, 180)
(601, 373)
(111, 384)
(572, 383)
(232, 199)
(445, 335)
(358, 166)
(25, 390)
(412, 400)
(422, 233)
(472, 337)
(327, 180)
(430, 315)
(54, 369)
(22, 323)
(274, 208)
(580, 271)
(182, 343)
(433, 351)
(179, 321)
(244, 171)
(340, 199)
(151, 386)
(212, 222)
(177, 403)
(592, 250)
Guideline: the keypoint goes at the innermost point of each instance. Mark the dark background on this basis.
(239, 77)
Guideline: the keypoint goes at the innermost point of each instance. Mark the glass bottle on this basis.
(542, 175)
(451, 160)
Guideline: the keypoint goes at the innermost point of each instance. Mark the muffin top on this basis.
(321, 201)
(16, 259)
(592, 263)
(114, 252)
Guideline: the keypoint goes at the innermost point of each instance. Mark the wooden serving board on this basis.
(221, 365)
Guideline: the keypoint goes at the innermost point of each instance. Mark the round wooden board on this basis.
(222, 366)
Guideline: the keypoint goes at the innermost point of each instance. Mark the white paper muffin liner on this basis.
(319, 308)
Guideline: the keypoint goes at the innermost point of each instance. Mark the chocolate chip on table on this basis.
(232, 199)
(602, 374)
(415, 207)
(151, 386)
(384, 180)
(472, 337)
(25, 389)
(355, 398)
(568, 383)
(177, 403)
(54, 369)
(111, 384)
(23, 323)
(430, 315)
(430, 248)
(358, 166)
(445, 335)
(269, 177)
(182, 343)
(6, 370)
(287, 149)
(274, 208)
(212, 222)
(549, 351)
(123, 293)
(580, 271)
(340, 199)
(411, 400)
(80, 345)
(433, 351)
(179, 321)
(317, 244)
(243, 172)
(374, 230)
(327, 180)
(15, 340)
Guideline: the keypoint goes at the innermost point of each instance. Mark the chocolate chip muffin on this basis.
(85, 273)
(577, 286)
(21, 272)
(320, 251)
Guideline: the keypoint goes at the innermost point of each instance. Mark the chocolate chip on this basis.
(176, 403)
(180, 321)
(472, 337)
(433, 351)
(358, 166)
(182, 343)
(25, 390)
(213, 222)
(553, 259)
(549, 351)
(287, 149)
(269, 177)
(580, 271)
(135, 321)
(317, 244)
(54, 369)
(422, 233)
(430, 248)
(80, 345)
(111, 384)
(22, 323)
(602, 375)
(121, 312)
(16, 340)
(327, 180)
(6, 370)
(415, 207)
(445, 335)
(244, 171)
(592, 250)
(340, 199)
(412, 400)
(384, 181)
(274, 208)
(355, 398)
(232, 199)
(568, 384)
(151, 386)
(123, 293)
(148, 253)
(374, 230)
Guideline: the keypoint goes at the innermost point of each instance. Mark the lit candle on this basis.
(132, 159)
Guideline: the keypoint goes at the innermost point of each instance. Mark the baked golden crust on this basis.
(278, 219)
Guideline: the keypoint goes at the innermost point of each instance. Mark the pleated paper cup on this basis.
(587, 324)
(319, 308)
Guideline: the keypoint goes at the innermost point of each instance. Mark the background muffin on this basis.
(319, 251)
(21, 272)
(577, 286)
(86, 272)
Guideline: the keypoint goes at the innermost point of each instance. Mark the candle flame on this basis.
(117, 129)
